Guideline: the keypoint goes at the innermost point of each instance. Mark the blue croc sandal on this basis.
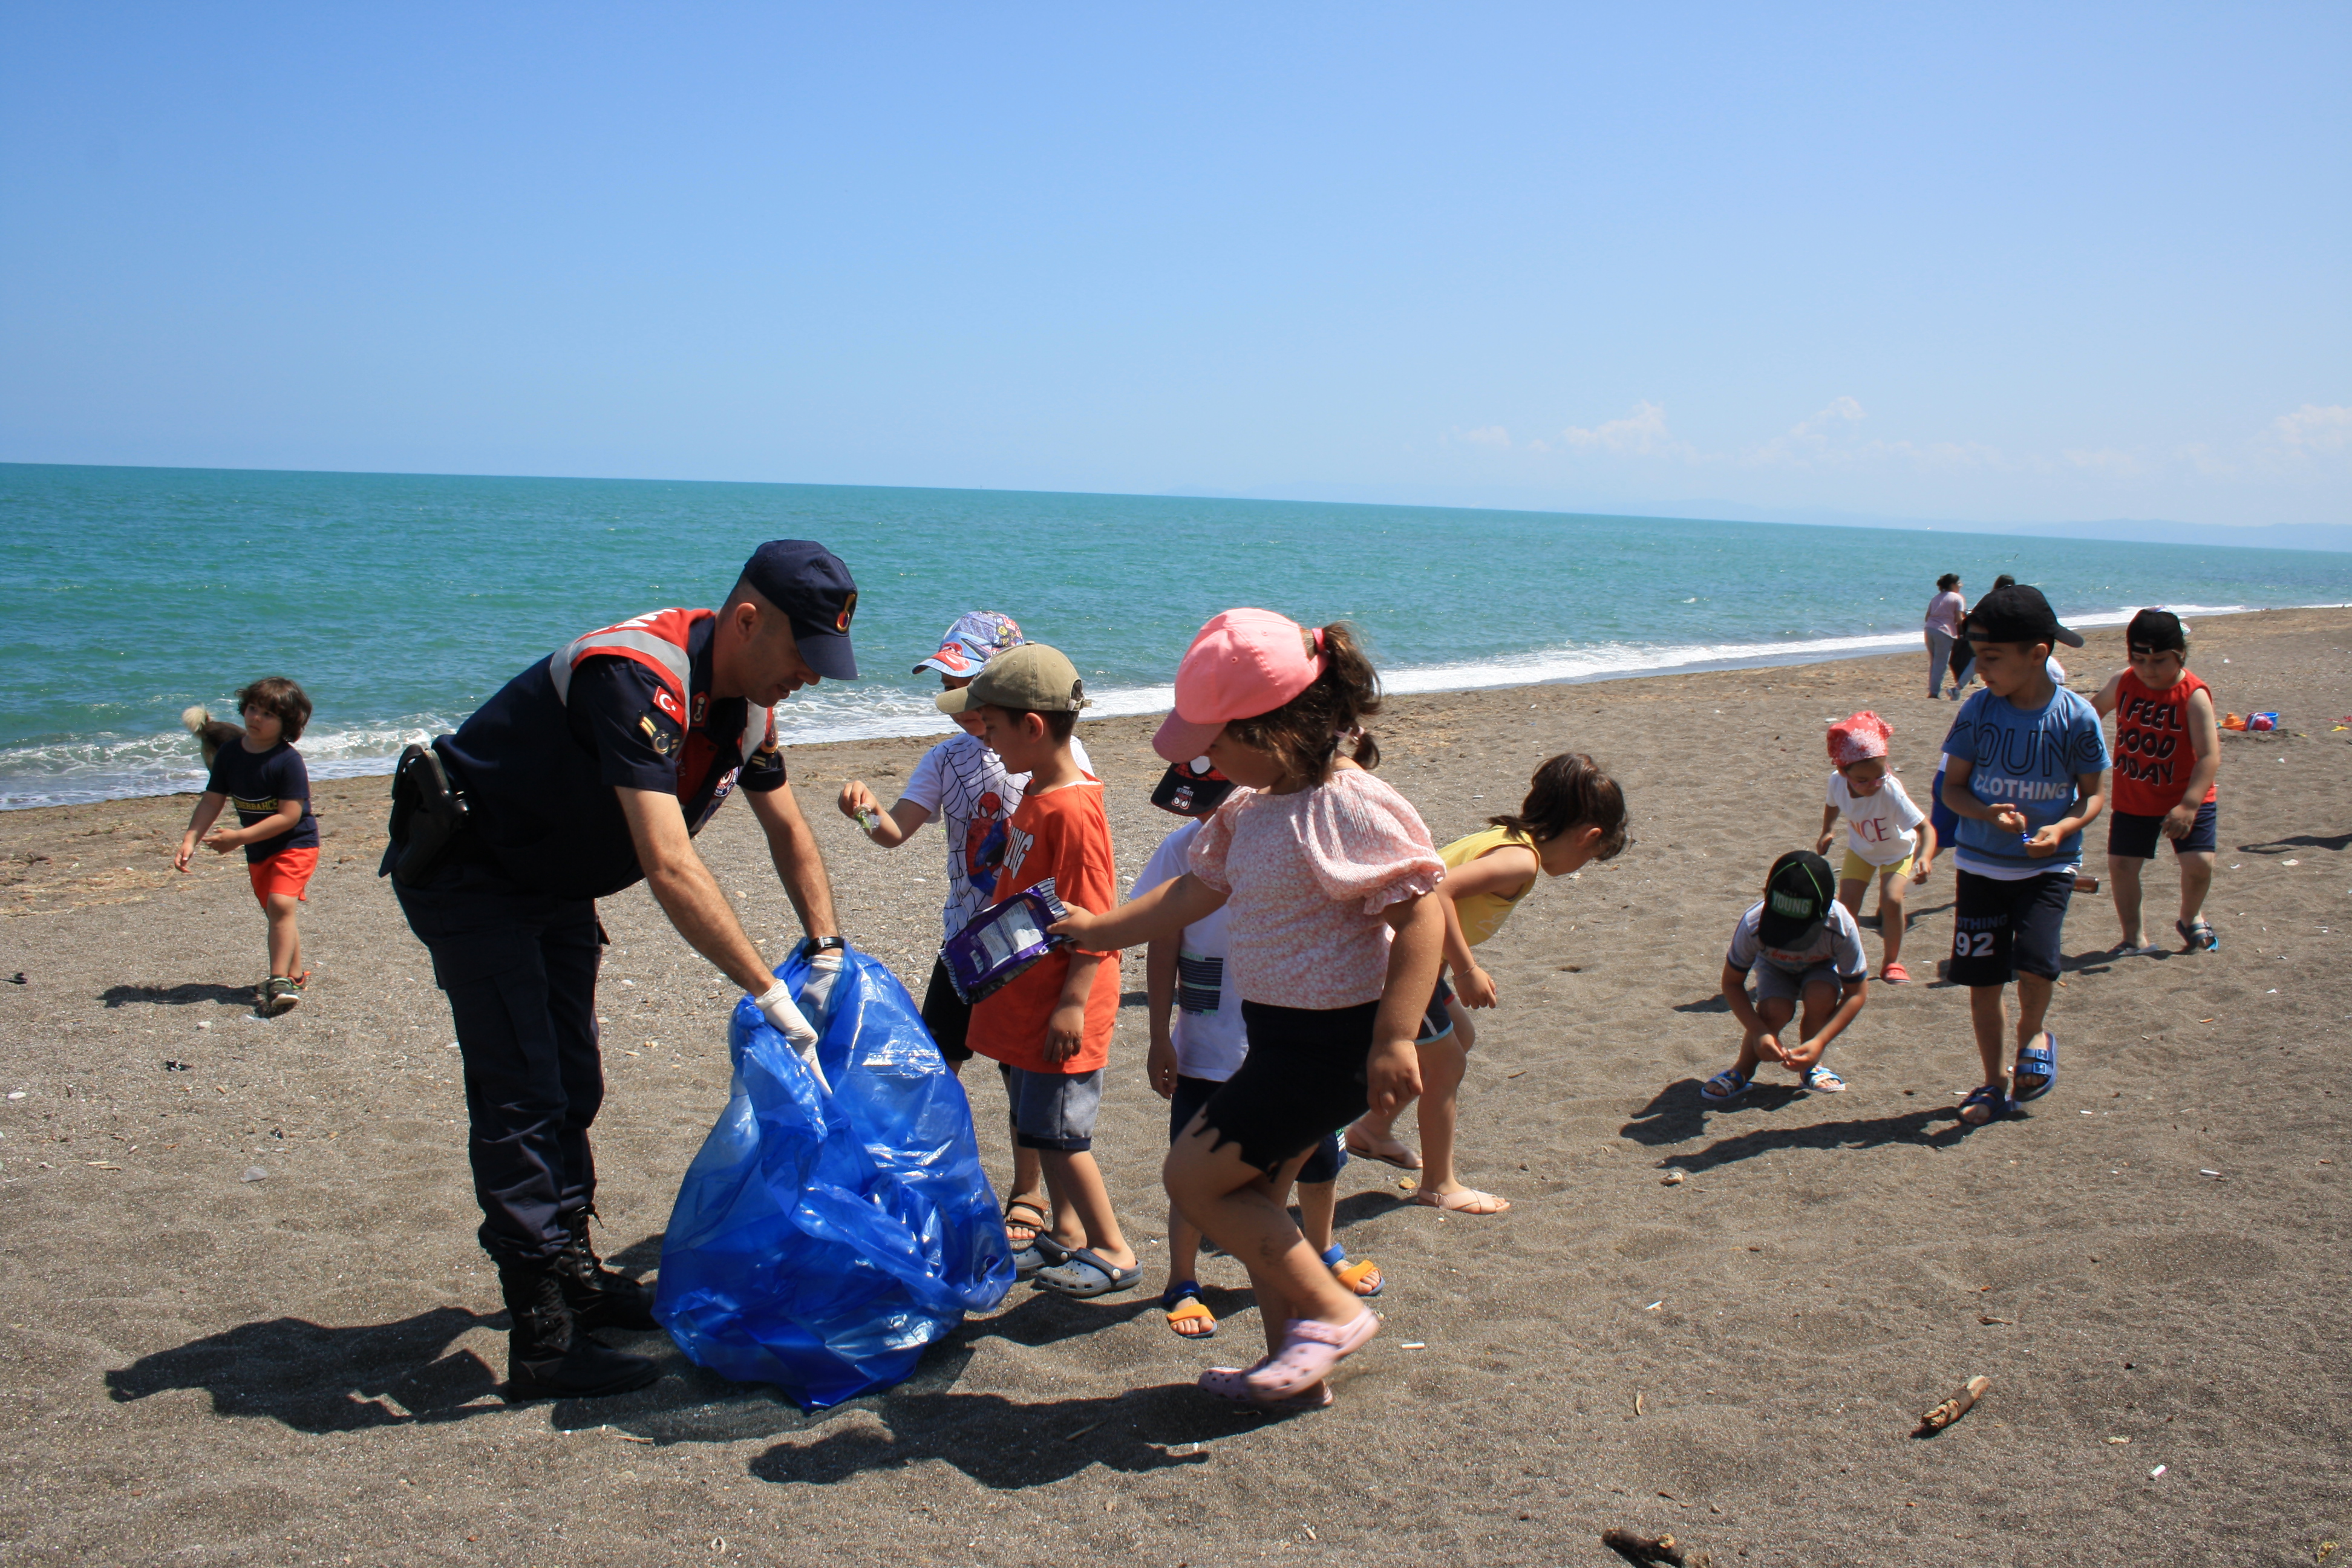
(1727, 1085)
(1986, 1095)
(1085, 1274)
(2042, 1061)
(1042, 1253)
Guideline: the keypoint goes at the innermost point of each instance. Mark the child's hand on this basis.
(1476, 988)
(858, 802)
(1159, 1065)
(221, 840)
(1077, 925)
(1821, 845)
(1768, 1047)
(1392, 1075)
(187, 848)
(2008, 819)
(2179, 820)
(1921, 869)
(1803, 1054)
(1065, 1032)
(2044, 843)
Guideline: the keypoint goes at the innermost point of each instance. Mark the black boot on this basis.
(548, 1355)
(599, 1297)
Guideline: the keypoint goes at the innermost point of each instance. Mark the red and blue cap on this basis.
(811, 585)
(977, 636)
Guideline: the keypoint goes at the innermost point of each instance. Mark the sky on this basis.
(2001, 264)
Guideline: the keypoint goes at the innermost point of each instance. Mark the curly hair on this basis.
(1569, 791)
(1303, 735)
(281, 696)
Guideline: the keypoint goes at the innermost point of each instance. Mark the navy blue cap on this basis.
(810, 584)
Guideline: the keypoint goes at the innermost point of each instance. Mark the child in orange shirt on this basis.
(1049, 1030)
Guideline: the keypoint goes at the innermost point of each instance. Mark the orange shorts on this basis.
(287, 872)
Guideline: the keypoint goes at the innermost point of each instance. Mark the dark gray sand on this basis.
(2149, 1267)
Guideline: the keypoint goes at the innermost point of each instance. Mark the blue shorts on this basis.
(1053, 1109)
(2136, 837)
(1191, 1093)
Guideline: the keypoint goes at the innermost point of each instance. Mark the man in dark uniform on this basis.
(585, 773)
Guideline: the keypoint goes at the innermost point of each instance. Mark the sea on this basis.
(401, 602)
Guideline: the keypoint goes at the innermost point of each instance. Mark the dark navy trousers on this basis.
(520, 971)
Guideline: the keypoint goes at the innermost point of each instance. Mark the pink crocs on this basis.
(1310, 1349)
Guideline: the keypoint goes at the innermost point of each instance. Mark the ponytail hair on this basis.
(1569, 791)
(1303, 735)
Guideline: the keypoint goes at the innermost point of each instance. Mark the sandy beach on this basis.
(2149, 1266)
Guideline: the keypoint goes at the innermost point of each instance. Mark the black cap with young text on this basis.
(1797, 899)
(2017, 613)
(810, 584)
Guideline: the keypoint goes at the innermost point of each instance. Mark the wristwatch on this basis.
(811, 946)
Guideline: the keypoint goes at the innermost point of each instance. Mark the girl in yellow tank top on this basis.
(1574, 814)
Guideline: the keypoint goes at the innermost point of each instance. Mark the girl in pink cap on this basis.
(1333, 945)
(1888, 840)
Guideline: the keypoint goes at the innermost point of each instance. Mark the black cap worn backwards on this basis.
(2017, 613)
(1192, 789)
(2157, 631)
(811, 585)
(1797, 900)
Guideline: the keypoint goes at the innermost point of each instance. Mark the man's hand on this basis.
(2179, 820)
(816, 991)
(1392, 1075)
(1065, 1031)
(1159, 1065)
(1476, 987)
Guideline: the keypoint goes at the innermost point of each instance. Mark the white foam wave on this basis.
(110, 766)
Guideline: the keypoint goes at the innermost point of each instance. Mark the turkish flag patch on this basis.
(668, 704)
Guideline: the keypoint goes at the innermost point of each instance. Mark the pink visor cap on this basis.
(1244, 663)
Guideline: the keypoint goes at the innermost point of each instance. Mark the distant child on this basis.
(2023, 770)
(1800, 945)
(1194, 1052)
(1573, 815)
(960, 783)
(2167, 750)
(1888, 838)
(263, 777)
(1049, 1029)
(1334, 945)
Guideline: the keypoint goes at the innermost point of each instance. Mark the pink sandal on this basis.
(1231, 1382)
(1895, 975)
(1310, 1349)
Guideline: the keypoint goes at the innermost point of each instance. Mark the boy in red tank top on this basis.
(2168, 748)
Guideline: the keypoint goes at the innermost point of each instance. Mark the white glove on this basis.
(816, 991)
(776, 1002)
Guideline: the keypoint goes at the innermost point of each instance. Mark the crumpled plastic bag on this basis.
(820, 1241)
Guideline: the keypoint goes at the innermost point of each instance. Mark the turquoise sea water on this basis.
(399, 601)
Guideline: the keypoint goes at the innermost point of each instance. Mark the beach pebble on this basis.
(1671, 1179)
(254, 1174)
(15, 1094)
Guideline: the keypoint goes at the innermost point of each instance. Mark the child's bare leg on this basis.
(1082, 1213)
(1988, 1016)
(285, 936)
(2123, 870)
(1183, 1247)
(2196, 881)
(1318, 1203)
(2033, 991)
(1234, 1203)
(1776, 1012)
(1892, 890)
(1442, 1064)
(1850, 895)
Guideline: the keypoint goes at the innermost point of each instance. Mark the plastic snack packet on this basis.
(1002, 940)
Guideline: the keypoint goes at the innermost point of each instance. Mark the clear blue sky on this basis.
(1997, 263)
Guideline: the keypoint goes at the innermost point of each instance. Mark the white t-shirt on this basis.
(1837, 940)
(962, 785)
(1880, 827)
(1210, 1039)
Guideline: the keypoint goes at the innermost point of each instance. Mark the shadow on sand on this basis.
(177, 996)
(1679, 1114)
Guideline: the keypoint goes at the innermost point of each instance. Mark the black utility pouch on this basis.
(428, 817)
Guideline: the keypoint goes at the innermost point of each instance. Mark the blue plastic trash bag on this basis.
(821, 1242)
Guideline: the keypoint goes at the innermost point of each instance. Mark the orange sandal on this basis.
(1184, 1308)
(1363, 1278)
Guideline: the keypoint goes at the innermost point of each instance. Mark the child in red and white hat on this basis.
(1886, 837)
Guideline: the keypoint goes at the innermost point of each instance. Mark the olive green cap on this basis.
(1032, 677)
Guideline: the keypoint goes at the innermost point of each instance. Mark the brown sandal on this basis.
(1036, 1228)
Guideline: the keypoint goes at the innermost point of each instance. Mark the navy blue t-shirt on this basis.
(255, 782)
(539, 773)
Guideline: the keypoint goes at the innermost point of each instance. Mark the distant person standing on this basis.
(588, 772)
(1964, 657)
(1944, 612)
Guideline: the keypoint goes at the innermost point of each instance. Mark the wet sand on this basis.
(301, 1368)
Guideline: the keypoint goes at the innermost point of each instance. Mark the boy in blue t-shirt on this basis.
(2024, 771)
